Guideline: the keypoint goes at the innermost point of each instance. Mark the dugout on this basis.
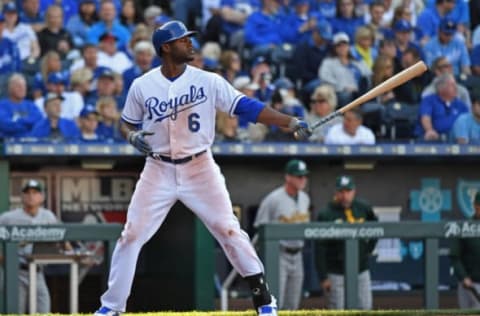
(176, 268)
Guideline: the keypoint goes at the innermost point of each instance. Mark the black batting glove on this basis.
(137, 139)
(300, 129)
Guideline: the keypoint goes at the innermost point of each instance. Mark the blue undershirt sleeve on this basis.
(249, 109)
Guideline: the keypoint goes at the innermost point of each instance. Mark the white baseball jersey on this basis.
(181, 113)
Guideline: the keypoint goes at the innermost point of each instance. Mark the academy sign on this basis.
(334, 232)
(22, 233)
(461, 230)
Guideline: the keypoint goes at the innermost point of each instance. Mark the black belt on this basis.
(289, 250)
(178, 161)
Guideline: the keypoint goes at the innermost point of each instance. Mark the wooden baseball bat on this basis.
(391, 83)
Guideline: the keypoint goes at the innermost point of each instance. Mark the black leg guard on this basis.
(260, 293)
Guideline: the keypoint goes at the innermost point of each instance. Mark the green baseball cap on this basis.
(477, 198)
(345, 182)
(296, 167)
(32, 184)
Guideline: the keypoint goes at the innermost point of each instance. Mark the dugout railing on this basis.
(12, 235)
(270, 234)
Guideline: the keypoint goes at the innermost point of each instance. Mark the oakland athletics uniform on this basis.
(20, 217)
(279, 207)
(181, 113)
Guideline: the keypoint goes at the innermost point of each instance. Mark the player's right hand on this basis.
(137, 139)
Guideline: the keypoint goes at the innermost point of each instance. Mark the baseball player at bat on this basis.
(175, 104)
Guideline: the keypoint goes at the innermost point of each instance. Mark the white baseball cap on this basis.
(340, 37)
(244, 82)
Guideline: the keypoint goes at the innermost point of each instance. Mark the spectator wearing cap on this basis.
(288, 204)
(106, 87)
(109, 23)
(109, 119)
(466, 129)
(464, 258)
(345, 21)
(110, 56)
(350, 131)
(79, 24)
(143, 57)
(439, 111)
(461, 14)
(323, 101)
(299, 23)
(402, 34)
(342, 71)
(20, 33)
(429, 20)
(88, 123)
(54, 36)
(73, 101)
(55, 127)
(17, 114)
(263, 32)
(32, 15)
(330, 254)
(440, 66)
(31, 212)
(446, 44)
(289, 96)
(308, 57)
(261, 74)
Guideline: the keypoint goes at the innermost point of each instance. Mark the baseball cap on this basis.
(402, 26)
(52, 96)
(283, 83)
(56, 77)
(9, 7)
(476, 200)
(259, 60)
(107, 36)
(106, 72)
(32, 184)
(448, 26)
(324, 29)
(244, 82)
(296, 167)
(344, 182)
(87, 110)
(340, 37)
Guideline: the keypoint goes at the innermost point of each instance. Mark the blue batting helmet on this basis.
(169, 32)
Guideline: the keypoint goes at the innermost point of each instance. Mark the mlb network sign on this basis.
(22, 233)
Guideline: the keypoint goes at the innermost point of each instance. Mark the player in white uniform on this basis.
(176, 105)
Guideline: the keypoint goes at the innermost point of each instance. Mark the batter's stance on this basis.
(175, 105)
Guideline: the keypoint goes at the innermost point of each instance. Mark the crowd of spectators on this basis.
(66, 66)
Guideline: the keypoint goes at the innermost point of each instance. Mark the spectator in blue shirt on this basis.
(31, 14)
(17, 114)
(460, 14)
(446, 44)
(429, 20)
(9, 58)
(346, 21)
(324, 8)
(402, 30)
(88, 122)
(53, 126)
(79, 24)
(438, 112)
(263, 32)
(109, 23)
(109, 123)
(466, 129)
(143, 57)
(299, 24)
